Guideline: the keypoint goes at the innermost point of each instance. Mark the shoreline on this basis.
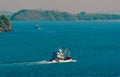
(69, 21)
(10, 30)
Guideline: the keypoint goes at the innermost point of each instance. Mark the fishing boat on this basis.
(61, 56)
(37, 26)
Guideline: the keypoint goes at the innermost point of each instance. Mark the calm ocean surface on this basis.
(95, 46)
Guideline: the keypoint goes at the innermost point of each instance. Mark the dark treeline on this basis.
(51, 15)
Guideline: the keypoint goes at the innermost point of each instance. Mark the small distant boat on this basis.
(61, 56)
(37, 26)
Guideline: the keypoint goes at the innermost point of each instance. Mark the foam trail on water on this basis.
(31, 63)
(25, 63)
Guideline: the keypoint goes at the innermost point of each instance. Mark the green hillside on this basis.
(48, 15)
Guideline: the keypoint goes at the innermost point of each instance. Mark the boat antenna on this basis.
(69, 53)
(66, 50)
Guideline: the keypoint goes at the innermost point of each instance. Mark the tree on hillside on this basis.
(5, 23)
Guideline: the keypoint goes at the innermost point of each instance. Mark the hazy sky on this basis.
(73, 6)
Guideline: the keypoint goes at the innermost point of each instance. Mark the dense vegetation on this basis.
(43, 15)
(5, 24)
(51, 15)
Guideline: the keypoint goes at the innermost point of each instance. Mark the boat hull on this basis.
(54, 61)
(62, 61)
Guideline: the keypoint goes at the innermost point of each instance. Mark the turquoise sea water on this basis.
(95, 46)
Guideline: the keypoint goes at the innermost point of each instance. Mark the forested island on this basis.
(48, 15)
(52, 15)
(5, 24)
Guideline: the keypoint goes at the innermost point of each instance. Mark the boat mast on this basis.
(69, 53)
(65, 51)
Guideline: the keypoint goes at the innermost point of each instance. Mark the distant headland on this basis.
(42, 15)
(52, 15)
